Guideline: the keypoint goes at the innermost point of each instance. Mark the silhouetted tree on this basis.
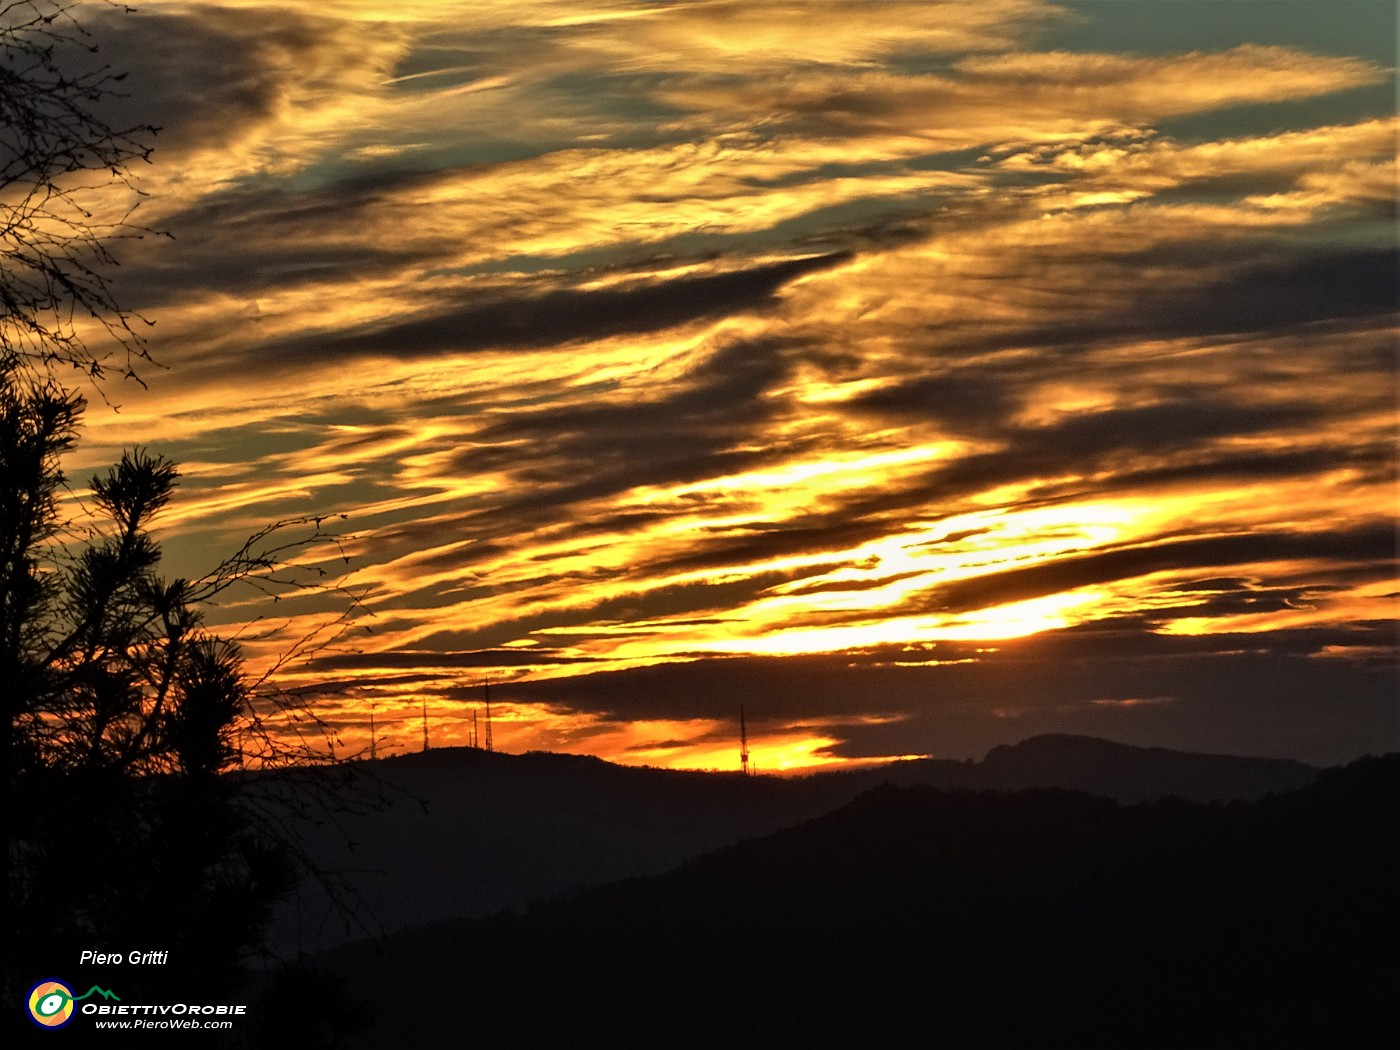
(121, 715)
(65, 193)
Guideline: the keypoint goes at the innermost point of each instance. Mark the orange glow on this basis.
(634, 335)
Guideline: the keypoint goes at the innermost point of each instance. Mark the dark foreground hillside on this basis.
(495, 831)
(921, 917)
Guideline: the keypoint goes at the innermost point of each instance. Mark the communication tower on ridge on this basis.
(474, 743)
(373, 743)
(425, 725)
(743, 743)
(486, 688)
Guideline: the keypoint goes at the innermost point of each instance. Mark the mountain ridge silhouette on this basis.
(922, 916)
(499, 830)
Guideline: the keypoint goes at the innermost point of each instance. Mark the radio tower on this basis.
(425, 725)
(486, 688)
(373, 744)
(743, 743)
(474, 743)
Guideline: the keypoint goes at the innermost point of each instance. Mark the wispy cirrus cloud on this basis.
(860, 352)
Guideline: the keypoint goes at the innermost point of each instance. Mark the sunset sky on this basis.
(921, 376)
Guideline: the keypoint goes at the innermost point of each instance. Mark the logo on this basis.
(51, 1002)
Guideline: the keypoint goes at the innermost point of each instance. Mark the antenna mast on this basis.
(474, 743)
(425, 725)
(743, 743)
(373, 744)
(486, 687)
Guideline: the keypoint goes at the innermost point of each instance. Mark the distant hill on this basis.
(465, 832)
(462, 831)
(921, 917)
(1102, 767)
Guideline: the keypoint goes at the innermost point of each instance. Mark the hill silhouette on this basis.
(915, 916)
(1103, 767)
(498, 831)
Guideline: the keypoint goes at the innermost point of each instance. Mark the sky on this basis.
(919, 376)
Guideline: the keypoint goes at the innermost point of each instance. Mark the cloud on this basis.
(1138, 88)
(1142, 160)
(1020, 97)
(1368, 544)
(226, 86)
(635, 335)
(424, 660)
(737, 37)
(566, 315)
(1231, 694)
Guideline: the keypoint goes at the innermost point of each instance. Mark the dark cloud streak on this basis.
(557, 317)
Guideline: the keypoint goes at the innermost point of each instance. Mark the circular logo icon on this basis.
(51, 1004)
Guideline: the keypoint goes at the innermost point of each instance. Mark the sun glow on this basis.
(718, 331)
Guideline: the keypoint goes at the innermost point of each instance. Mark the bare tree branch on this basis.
(57, 152)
